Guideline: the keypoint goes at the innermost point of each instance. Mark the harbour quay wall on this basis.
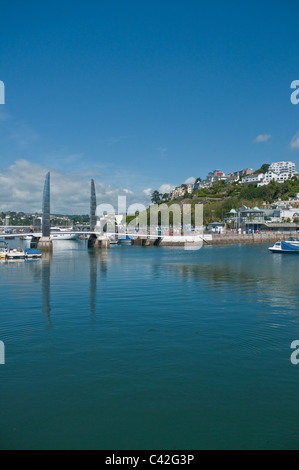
(234, 239)
(223, 239)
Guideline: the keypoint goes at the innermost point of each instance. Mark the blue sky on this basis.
(141, 94)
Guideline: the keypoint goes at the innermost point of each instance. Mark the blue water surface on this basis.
(150, 348)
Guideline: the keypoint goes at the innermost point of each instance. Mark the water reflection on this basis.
(68, 257)
(46, 283)
(98, 260)
(70, 268)
(248, 274)
(262, 278)
(93, 276)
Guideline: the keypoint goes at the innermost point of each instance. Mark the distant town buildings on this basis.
(279, 216)
(278, 171)
(213, 178)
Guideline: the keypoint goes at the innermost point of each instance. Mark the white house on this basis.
(280, 172)
(267, 177)
(254, 179)
(282, 167)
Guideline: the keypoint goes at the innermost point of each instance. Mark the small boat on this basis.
(125, 241)
(3, 250)
(32, 253)
(15, 253)
(113, 241)
(57, 234)
(285, 247)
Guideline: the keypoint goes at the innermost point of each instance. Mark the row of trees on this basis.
(158, 197)
(22, 219)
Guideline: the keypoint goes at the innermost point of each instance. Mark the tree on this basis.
(264, 168)
(156, 197)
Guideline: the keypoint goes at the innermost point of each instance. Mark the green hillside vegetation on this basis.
(222, 197)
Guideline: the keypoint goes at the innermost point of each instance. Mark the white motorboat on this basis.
(113, 241)
(64, 236)
(3, 250)
(15, 254)
(61, 234)
(285, 247)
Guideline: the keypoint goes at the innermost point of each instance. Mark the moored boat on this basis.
(15, 253)
(287, 247)
(113, 241)
(3, 250)
(58, 234)
(125, 241)
(32, 253)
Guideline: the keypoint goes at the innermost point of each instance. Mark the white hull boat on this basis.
(64, 236)
(15, 254)
(283, 247)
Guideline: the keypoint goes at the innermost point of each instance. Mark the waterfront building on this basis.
(216, 227)
(279, 217)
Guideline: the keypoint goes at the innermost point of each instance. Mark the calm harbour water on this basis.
(150, 348)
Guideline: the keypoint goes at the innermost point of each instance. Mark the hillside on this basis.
(219, 199)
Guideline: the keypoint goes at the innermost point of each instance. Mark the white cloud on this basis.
(190, 180)
(128, 191)
(147, 192)
(166, 188)
(294, 145)
(21, 189)
(263, 138)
